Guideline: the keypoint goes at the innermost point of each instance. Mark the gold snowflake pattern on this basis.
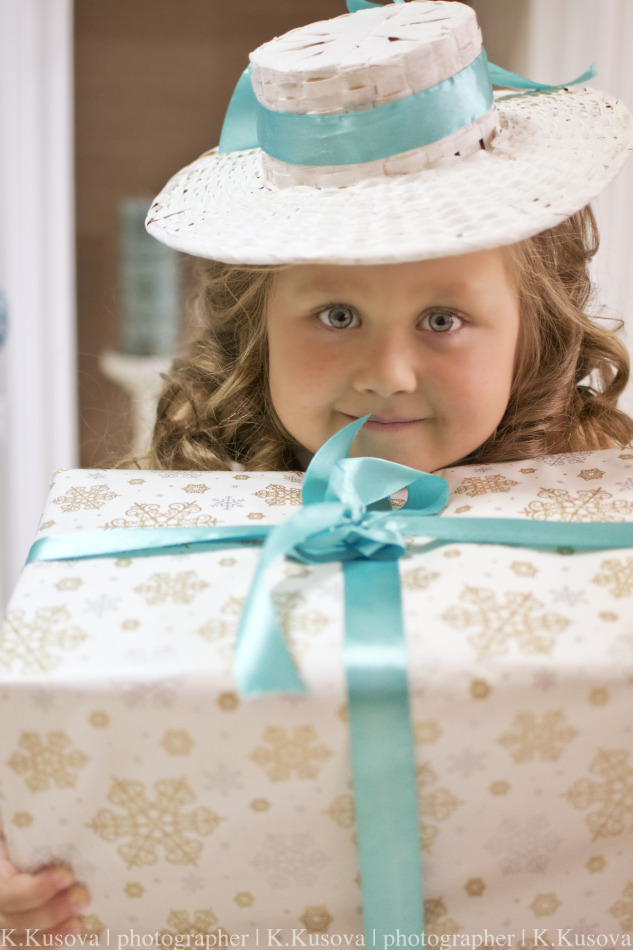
(499, 787)
(611, 790)
(463, 509)
(280, 495)
(136, 481)
(342, 811)
(316, 919)
(518, 617)
(68, 584)
(436, 919)
(45, 525)
(134, 890)
(485, 486)
(588, 474)
(47, 761)
(417, 578)
(435, 805)
(228, 701)
(22, 819)
(595, 504)
(177, 742)
(196, 489)
(474, 887)
(178, 514)
(244, 898)
(533, 737)
(81, 498)
(598, 696)
(623, 908)
(426, 730)
(38, 644)
(297, 625)
(616, 574)
(99, 719)
(545, 904)
(180, 588)
(523, 569)
(221, 631)
(595, 864)
(203, 923)
(290, 752)
(92, 924)
(260, 804)
(479, 689)
(151, 824)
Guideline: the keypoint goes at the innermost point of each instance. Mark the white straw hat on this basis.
(380, 142)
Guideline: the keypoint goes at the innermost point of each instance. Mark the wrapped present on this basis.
(194, 814)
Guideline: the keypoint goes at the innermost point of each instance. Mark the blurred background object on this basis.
(99, 104)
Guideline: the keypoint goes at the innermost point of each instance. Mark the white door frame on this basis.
(38, 376)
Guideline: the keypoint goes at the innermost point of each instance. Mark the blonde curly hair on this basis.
(570, 370)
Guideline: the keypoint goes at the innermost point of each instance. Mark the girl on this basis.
(394, 242)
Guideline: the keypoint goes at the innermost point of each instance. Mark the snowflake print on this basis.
(616, 574)
(623, 908)
(47, 761)
(153, 824)
(611, 790)
(227, 503)
(435, 804)
(533, 737)
(280, 495)
(290, 859)
(485, 486)
(590, 504)
(186, 514)
(496, 623)
(290, 752)
(37, 644)
(180, 588)
(523, 844)
(85, 499)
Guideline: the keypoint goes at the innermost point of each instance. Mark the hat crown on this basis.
(363, 61)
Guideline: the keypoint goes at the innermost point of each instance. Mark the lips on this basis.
(381, 422)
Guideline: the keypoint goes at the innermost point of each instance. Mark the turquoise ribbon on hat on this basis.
(347, 516)
(371, 134)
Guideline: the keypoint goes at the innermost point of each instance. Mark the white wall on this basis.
(37, 363)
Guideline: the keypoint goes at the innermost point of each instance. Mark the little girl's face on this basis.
(427, 348)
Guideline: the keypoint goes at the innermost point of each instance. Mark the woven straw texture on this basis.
(546, 155)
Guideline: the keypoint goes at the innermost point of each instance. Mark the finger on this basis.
(24, 892)
(61, 911)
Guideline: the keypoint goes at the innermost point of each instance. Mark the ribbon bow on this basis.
(347, 516)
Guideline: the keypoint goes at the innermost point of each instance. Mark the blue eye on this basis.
(441, 321)
(339, 317)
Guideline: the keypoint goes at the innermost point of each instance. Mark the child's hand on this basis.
(47, 902)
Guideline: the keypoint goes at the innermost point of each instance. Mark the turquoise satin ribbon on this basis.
(371, 134)
(347, 516)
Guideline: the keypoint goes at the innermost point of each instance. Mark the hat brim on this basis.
(555, 153)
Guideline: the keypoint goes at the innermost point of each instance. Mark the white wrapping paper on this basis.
(127, 752)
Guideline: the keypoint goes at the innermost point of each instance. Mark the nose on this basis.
(385, 366)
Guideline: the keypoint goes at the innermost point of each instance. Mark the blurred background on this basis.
(100, 102)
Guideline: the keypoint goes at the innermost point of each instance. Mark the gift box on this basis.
(195, 814)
